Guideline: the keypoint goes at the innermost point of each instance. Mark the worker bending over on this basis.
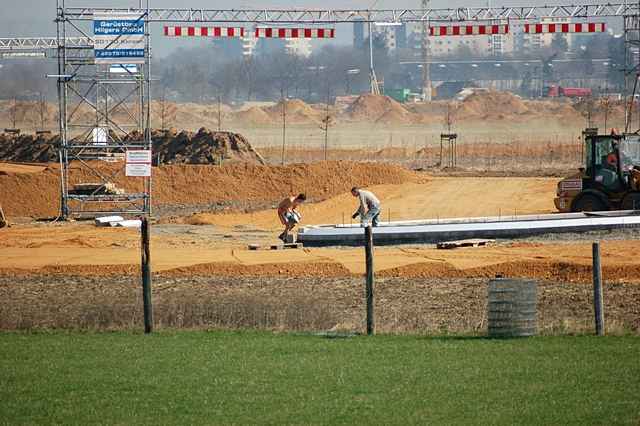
(288, 215)
(369, 209)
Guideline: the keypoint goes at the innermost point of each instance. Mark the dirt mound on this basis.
(253, 115)
(28, 148)
(491, 104)
(393, 116)
(204, 147)
(297, 111)
(37, 194)
(433, 108)
(375, 108)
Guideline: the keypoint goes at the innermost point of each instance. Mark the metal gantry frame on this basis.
(104, 112)
(328, 16)
(120, 103)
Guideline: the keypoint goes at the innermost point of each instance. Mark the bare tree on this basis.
(167, 111)
(284, 124)
(450, 116)
(605, 105)
(327, 120)
(587, 113)
(42, 110)
(13, 112)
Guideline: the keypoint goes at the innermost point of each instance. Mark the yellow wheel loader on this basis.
(609, 178)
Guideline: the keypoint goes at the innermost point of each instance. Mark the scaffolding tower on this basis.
(104, 118)
(632, 70)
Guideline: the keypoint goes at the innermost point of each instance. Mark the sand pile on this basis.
(188, 115)
(375, 108)
(297, 111)
(393, 116)
(254, 115)
(36, 194)
(492, 104)
(204, 147)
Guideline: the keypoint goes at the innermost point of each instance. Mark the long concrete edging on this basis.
(457, 229)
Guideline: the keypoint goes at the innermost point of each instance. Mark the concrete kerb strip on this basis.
(457, 229)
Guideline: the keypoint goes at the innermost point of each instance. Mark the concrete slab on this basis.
(459, 229)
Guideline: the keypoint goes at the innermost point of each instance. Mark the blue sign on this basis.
(119, 38)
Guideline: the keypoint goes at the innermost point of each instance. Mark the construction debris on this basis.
(107, 220)
(473, 242)
(118, 222)
(96, 189)
(131, 223)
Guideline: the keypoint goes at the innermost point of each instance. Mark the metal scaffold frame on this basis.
(632, 69)
(328, 16)
(104, 112)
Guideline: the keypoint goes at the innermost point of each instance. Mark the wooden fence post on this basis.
(146, 276)
(368, 240)
(597, 290)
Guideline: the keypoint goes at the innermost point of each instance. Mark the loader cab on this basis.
(602, 165)
(609, 178)
(610, 160)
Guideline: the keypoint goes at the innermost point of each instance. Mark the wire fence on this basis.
(402, 306)
(507, 153)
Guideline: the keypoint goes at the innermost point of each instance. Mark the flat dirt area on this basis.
(217, 243)
(439, 197)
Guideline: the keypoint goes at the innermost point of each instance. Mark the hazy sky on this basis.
(35, 17)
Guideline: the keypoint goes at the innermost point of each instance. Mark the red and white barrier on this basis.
(295, 33)
(590, 27)
(173, 31)
(468, 30)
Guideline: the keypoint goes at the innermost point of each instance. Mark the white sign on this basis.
(138, 163)
(139, 156)
(138, 170)
(123, 69)
(118, 38)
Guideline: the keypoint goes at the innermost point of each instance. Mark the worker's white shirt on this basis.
(369, 200)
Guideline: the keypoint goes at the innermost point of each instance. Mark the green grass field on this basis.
(249, 377)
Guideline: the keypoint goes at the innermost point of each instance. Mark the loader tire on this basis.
(590, 201)
(631, 201)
